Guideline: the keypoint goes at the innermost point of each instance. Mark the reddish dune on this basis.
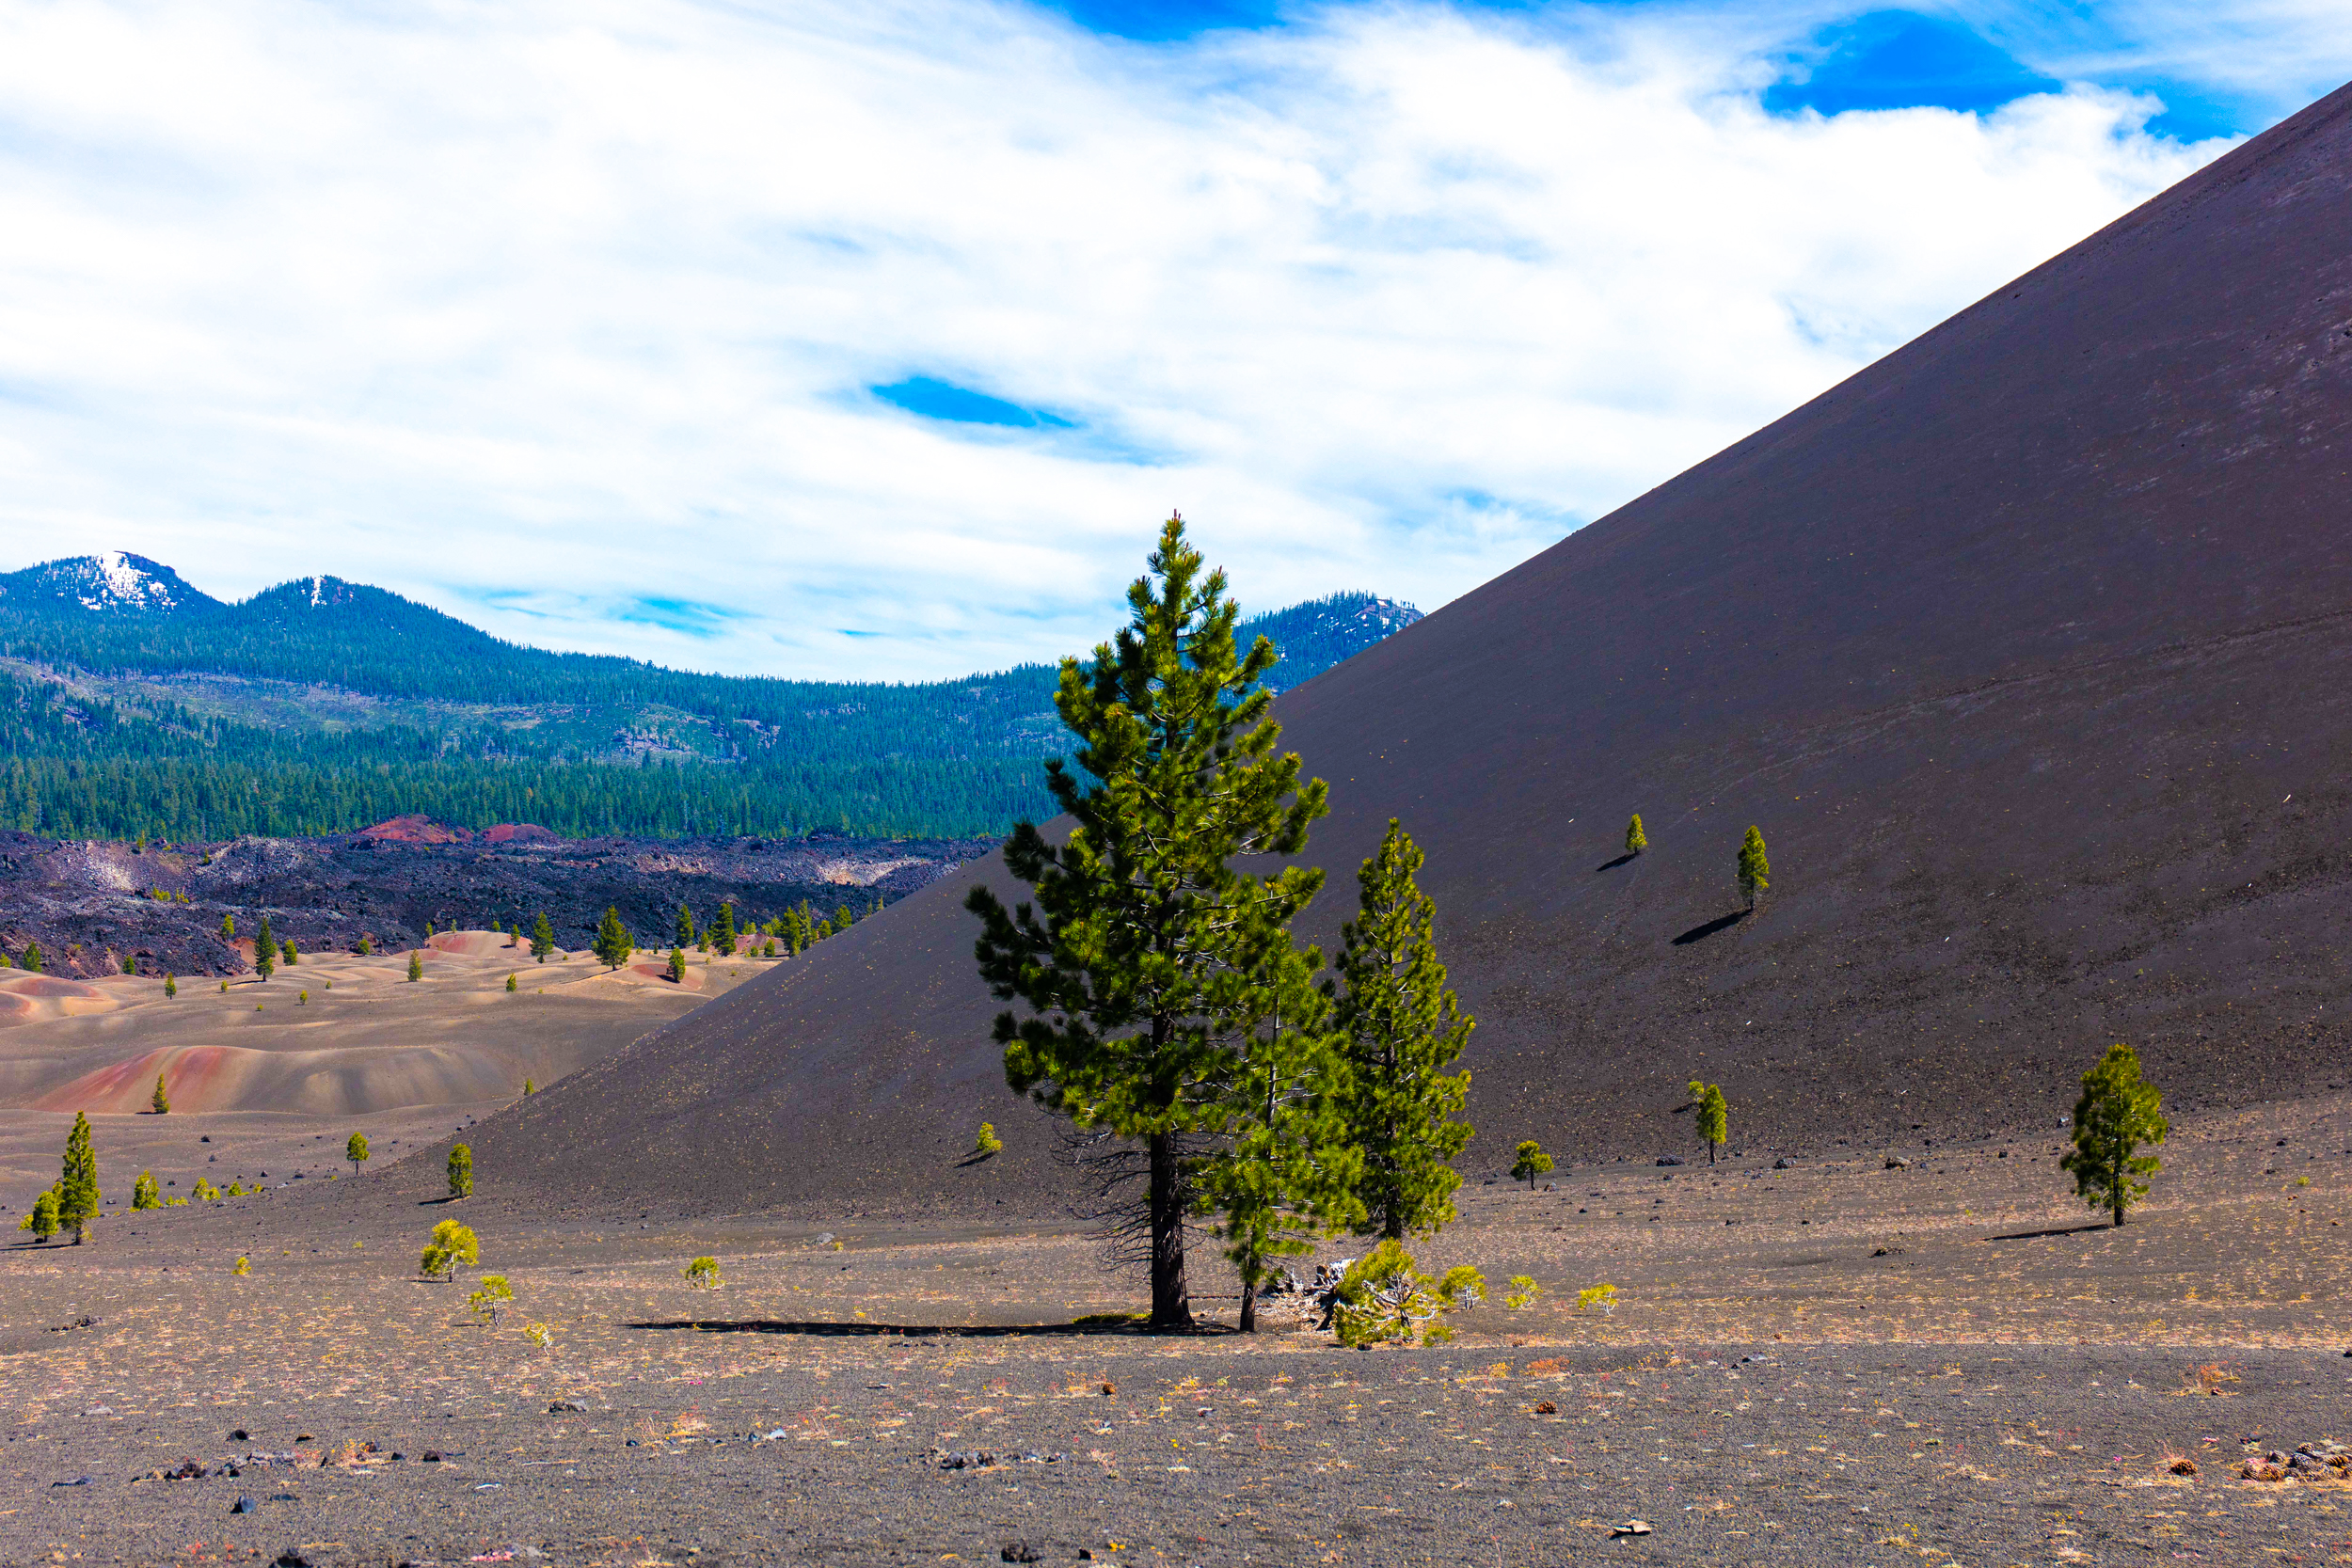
(415, 830)
(520, 833)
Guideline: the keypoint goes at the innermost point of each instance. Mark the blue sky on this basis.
(835, 338)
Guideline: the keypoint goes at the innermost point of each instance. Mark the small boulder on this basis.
(243, 1505)
(1670, 1159)
(1783, 1163)
(1021, 1551)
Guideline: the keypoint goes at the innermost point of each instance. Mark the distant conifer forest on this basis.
(299, 714)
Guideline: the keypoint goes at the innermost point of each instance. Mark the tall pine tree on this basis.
(1146, 956)
(722, 931)
(264, 951)
(685, 937)
(1400, 1030)
(613, 944)
(542, 938)
(78, 1196)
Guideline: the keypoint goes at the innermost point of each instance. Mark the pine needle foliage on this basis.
(2119, 1111)
(453, 1246)
(145, 1193)
(42, 1219)
(1530, 1162)
(78, 1198)
(489, 1298)
(1635, 840)
(613, 944)
(1400, 1029)
(1713, 1124)
(722, 931)
(356, 1150)
(1754, 870)
(542, 938)
(416, 965)
(460, 1171)
(160, 1101)
(265, 952)
(1145, 955)
(702, 1273)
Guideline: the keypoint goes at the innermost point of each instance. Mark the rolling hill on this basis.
(2029, 647)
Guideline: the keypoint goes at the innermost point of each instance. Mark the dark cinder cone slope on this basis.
(2029, 648)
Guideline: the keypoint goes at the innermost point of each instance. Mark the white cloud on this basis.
(532, 312)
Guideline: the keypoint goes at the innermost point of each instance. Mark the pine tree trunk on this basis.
(1250, 1305)
(1171, 1303)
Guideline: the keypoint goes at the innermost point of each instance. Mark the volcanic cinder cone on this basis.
(2029, 648)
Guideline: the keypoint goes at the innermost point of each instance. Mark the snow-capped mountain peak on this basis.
(111, 582)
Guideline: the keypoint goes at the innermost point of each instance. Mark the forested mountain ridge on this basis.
(140, 706)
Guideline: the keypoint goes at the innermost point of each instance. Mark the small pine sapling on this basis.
(302, 999)
(542, 938)
(356, 1150)
(292, 954)
(702, 1273)
(988, 1142)
(1524, 1293)
(539, 1334)
(1715, 1116)
(460, 1171)
(415, 964)
(265, 952)
(1596, 1298)
(365, 947)
(32, 958)
(677, 966)
(160, 1101)
(2118, 1112)
(490, 1297)
(510, 985)
(1531, 1162)
(145, 1193)
(129, 964)
(228, 927)
(1384, 1296)
(1635, 840)
(453, 1246)
(241, 1267)
(1755, 869)
(171, 984)
(42, 1219)
(204, 1192)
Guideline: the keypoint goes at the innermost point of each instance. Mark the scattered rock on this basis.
(292, 1558)
(1783, 1163)
(77, 1481)
(433, 1456)
(1110, 1388)
(241, 1436)
(557, 1408)
(1632, 1527)
(243, 1505)
(1670, 1159)
(98, 1410)
(2183, 1466)
(1896, 1162)
(1546, 1407)
(1021, 1551)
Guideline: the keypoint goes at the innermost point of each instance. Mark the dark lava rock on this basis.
(1021, 1551)
(243, 1505)
(1670, 1159)
(1783, 1163)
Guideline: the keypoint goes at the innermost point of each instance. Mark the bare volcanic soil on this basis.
(91, 905)
(1841, 1363)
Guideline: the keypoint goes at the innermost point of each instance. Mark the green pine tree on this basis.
(264, 952)
(32, 958)
(1635, 840)
(614, 944)
(1754, 870)
(2118, 1112)
(78, 1198)
(460, 1171)
(160, 1099)
(542, 938)
(228, 927)
(842, 917)
(145, 1193)
(1529, 1163)
(356, 1150)
(685, 937)
(1401, 1029)
(1146, 958)
(1715, 1116)
(171, 984)
(292, 954)
(416, 963)
(722, 931)
(42, 1218)
(677, 966)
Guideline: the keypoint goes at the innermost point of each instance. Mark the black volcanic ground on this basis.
(2026, 648)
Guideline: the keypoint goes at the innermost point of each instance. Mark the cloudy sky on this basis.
(874, 337)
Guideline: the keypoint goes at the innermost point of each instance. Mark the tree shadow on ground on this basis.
(1626, 858)
(907, 1331)
(1721, 922)
(2061, 1230)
